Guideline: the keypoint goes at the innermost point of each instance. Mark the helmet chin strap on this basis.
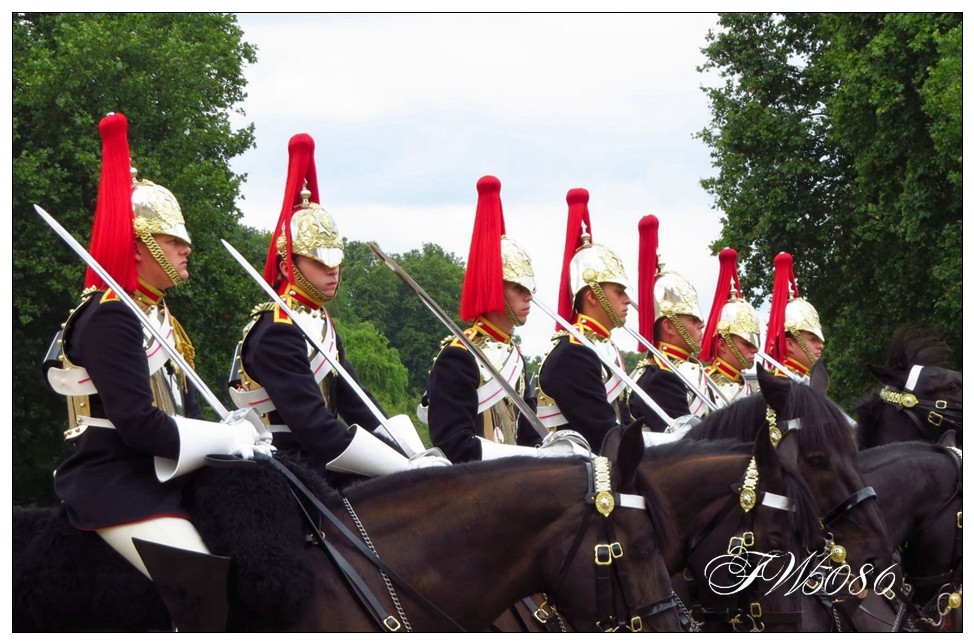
(735, 351)
(804, 347)
(692, 344)
(157, 253)
(310, 288)
(606, 305)
(509, 312)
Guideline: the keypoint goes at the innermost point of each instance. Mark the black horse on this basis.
(737, 523)
(824, 460)
(919, 492)
(468, 540)
(921, 398)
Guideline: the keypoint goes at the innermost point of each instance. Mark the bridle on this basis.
(616, 608)
(744, 495)
(941, 415)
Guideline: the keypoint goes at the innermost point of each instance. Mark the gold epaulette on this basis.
(644, 362)
(262, 308)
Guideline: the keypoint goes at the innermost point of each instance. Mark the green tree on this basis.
(370, 291)
(837, 137)
(176, 77)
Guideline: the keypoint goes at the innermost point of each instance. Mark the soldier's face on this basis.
(322, 277)
(618, 298)
(519, 299)
(795, 351)
(176, 252)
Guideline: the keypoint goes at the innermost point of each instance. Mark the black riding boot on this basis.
(193, 585)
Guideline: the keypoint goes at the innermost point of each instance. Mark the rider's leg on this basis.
(171, 531)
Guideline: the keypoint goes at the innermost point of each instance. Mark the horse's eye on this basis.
(818, 460)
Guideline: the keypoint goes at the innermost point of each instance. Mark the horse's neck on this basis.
(484, 522)
(693, 485)
(912, 481)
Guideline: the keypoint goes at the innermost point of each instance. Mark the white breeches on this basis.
(170, 531)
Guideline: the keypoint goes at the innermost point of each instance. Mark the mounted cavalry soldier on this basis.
(277, 372)
(135, 425)
(575, 389)
(675, 328)
(731, 338)
(470, 415)
(795, 339)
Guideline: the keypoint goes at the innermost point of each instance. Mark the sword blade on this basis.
(441, 315)
(126, 299)
(614, 368)
(316, 343)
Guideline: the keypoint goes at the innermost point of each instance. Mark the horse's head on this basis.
(739, 531)
(824, 455)
(921, 398)
(919, 488)
(623, 542)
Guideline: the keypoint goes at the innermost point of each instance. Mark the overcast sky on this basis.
(409, 111)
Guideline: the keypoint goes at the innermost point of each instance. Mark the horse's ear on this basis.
(818, 379)
(630, 452)
(610, 443)
(774, 389)
(948, 439)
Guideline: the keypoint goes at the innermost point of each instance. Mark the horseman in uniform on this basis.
(676, 329)
(276, 370)
(135, 426)
(731, 338)
(795, 339)
(575, 389)
(470, 415)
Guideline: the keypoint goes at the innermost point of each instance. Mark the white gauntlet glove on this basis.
(428, 458)
(565, 442)
(249, 435)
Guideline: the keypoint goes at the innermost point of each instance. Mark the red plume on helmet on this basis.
(577, 199)
(785, 288)
(483, 282)
(300, 170)
(112, 235)
(728, 283)
(648, 265)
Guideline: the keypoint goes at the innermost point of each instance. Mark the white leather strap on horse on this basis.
(74, 380)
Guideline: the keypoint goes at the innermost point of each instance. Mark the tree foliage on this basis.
(175, 77)
(838, 138)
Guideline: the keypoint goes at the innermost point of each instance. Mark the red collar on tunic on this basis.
(728, 371)
(288, 289)
(483, 325)
(585, 322)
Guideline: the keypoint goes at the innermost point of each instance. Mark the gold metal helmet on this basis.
(517, 264)
(313, 234)
(156, 211)
(739, 318)
(673, 295)
(800, 315)
(594, 264)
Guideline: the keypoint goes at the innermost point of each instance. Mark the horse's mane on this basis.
(913, 345)
(689, 447)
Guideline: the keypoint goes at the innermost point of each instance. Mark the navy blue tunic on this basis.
(110, 477)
